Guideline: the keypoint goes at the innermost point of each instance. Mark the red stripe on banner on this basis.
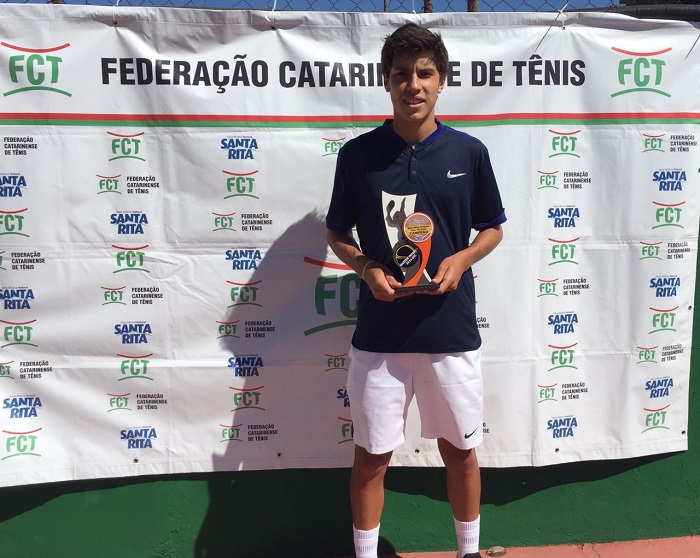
(37, 50)
(188, 117)
(568, 347)
(239, 174)
(126, 136)
(564, 241)
(16, 433)
(327, 264)
(641, 53)
(568, 115)
(657, 410)
(126, 248)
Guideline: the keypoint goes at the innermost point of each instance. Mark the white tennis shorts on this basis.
(448, 389)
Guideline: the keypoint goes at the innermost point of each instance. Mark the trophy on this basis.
(412, 251)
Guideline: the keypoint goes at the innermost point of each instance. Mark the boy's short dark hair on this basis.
(414, 39)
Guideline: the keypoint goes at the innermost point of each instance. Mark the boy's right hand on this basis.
(382, 283)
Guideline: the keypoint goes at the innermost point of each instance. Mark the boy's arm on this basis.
(452, 268)
(378, 278)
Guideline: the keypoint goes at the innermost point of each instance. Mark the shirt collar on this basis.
(387, 129)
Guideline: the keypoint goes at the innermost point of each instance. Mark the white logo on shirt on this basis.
(450, 175)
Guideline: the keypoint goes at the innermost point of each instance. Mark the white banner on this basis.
(169, 303)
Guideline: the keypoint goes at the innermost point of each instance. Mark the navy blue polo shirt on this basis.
(448, 177)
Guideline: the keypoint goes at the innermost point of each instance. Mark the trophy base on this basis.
(428, 287)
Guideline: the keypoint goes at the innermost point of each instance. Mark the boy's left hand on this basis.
(449, 273)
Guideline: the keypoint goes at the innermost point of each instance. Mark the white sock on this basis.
(366, 542)
(467, 536)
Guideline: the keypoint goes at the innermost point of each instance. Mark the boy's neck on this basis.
(414, 133)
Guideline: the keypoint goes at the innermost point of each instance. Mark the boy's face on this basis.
(413, 83)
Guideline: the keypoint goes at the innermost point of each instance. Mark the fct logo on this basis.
(547, 287)
(134, 366)
(547, 393)
(547, 180)
(36, 69)
(640, 73)
(336, 362)
(228, 329)
(247, 398)
(244, 294)
(663, 320)
(113, 295)
(118, 402)
(668, 215)
(21, 444)
(230, 432)
(20, 407)
(344, 290)
(669, 180)
(126, 146)
(563, 251)
(130, 259)
(223, 222)
(646, 354)
(108, 184)
(655, 419)
(11, 185)
(16, 299)
(240, 185)
(332, 146)
(651, 251)
(653, 143)
(6, 370)
(17, 333)
(562, 357)
(12, 223)
(346, 430)
(564, 143)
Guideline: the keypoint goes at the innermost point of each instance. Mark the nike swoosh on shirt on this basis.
(450, 175)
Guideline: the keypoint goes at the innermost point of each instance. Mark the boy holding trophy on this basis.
(414, 189)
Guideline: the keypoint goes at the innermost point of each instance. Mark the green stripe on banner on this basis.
(578, 121)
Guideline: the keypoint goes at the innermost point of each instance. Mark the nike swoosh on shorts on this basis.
(467, 436)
